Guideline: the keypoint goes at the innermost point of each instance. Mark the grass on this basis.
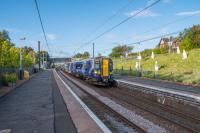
(172, 67)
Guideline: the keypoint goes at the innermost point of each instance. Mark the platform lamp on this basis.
(20, 61)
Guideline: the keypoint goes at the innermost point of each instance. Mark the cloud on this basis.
(189, 13)
(146, 13)
(51, 36)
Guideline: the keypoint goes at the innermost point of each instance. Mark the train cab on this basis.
(103, 68)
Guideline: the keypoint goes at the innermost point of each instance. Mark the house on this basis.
(164, 42)
(172, 42)
(175, 43)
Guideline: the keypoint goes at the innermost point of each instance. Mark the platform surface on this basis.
(83, 121)
(35, 107)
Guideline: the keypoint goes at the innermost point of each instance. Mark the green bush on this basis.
(146, 52)
(164, 50)
(161, 50)
(190, 38)
(157, 51)
(9, 77)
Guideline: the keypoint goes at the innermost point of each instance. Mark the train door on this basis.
(105, 67)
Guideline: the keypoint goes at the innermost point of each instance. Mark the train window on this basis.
(97, 65)
(85, 66)
(79, 66)
(111, 65)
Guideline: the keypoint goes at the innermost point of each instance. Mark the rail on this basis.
(187, 97)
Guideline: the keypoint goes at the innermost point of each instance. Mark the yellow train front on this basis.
(102, 71)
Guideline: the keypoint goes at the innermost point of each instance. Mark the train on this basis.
(98, 70)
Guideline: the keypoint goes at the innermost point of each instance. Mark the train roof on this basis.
(88, 59)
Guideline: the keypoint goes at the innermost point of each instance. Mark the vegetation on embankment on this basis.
(172, 66)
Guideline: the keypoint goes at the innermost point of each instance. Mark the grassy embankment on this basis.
(172, 67)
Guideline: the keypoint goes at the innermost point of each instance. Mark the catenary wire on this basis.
(41, 23)
(123, 21)
(105, 22)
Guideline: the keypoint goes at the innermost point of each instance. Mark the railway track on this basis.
(187, 98)
(189, 120)
(147, 105)
(101, 107)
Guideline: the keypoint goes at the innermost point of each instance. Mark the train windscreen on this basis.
(97, 65)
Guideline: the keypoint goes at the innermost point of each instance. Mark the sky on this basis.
(68, 22)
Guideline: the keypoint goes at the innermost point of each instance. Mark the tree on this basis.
(28, 49)
(10, 54)
(99, 55)
(85, 55)
(4, 36)
(78, 55)
(190, 38)
(120, 50)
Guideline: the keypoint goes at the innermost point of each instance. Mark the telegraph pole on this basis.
(93, 50)
(39, 53)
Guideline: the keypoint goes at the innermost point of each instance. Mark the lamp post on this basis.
(20, 61)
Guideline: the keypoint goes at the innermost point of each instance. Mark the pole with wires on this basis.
(43, 60)
(120, 23)
(93, 50)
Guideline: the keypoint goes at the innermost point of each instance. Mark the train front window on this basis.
(97, 65)
(110, 65)
(79, 66)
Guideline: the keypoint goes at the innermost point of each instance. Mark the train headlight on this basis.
(97, 72)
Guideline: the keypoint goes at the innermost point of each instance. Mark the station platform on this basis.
(37, 106)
